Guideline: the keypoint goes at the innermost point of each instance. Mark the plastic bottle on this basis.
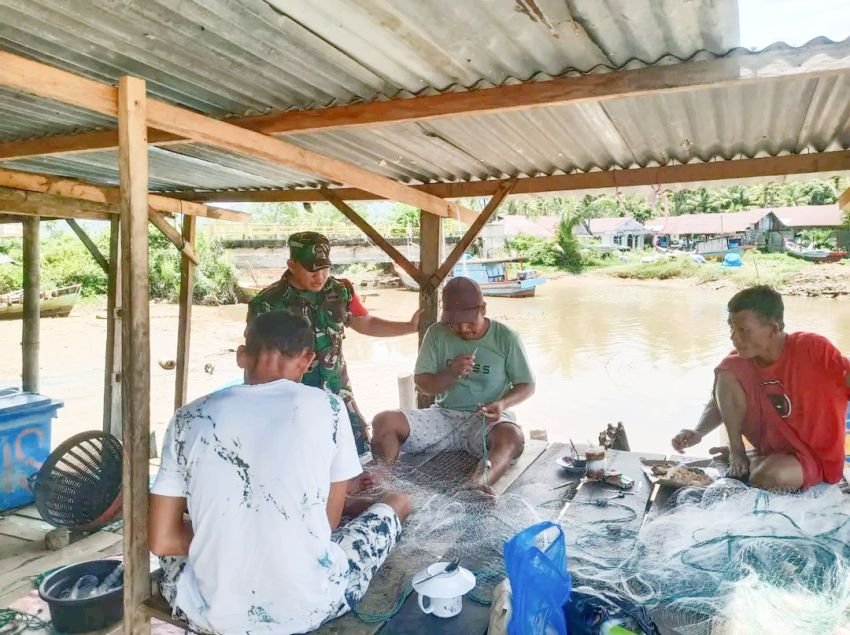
(112, 580)
(84, 587)
(614, 627)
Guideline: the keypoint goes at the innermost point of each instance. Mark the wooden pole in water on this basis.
(184, 327)
(32, 301)
(112, 365)
(135, 323)
(430, 248)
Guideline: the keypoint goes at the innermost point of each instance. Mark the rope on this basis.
(13, 622)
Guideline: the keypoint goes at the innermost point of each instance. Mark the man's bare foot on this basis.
(739, 465)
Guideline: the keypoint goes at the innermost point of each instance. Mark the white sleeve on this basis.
(171, 478)
(346, 463)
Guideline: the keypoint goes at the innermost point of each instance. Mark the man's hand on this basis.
(492, 411)
(414, 321)
(462, 365)
(686, 439)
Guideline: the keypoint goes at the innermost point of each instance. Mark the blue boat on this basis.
(491, 275)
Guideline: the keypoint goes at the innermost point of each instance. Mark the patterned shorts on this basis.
(440, 430)
(366, 541)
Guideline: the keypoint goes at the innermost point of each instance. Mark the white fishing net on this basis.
(450, 521)
(728, 559)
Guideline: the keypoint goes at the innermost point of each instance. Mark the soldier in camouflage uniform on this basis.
(329, 304)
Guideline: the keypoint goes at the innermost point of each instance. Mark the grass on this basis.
(758, 268)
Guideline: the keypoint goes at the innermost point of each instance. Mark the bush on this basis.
(537, 251)
(65, 261)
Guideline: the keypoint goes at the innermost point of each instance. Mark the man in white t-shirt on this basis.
(262, 469)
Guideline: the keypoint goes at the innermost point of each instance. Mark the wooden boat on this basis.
(246, 293)
(717, 248)
(812, 254)
(491, 275)
(54, 303)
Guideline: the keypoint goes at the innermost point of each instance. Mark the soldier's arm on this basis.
(379, 327)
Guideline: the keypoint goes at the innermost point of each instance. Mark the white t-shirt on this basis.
(255, 463)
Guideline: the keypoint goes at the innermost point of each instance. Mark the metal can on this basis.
(597, 462)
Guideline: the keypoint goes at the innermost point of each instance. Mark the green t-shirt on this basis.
(500, 364)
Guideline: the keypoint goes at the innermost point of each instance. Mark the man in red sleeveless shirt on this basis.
(786, 393)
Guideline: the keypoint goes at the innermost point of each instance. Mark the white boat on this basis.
(491, 275)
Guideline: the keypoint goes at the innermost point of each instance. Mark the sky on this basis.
(795, 22)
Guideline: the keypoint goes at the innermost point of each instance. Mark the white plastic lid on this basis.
(446, 585)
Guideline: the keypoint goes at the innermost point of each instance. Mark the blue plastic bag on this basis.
(536, 561)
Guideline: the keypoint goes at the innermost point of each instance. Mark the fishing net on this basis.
(727, 559)
(448, 521)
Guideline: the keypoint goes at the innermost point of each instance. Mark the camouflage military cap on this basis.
(311, 249)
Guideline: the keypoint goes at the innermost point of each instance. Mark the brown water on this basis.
(603, 351)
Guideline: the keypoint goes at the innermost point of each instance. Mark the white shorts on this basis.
(440, 430)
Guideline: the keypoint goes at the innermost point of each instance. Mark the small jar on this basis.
(597, 463)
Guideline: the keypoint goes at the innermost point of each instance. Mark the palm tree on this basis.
(734, 199)
(705, 201)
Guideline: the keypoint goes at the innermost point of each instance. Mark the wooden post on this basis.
(32, 302)
(135, 326)
(112, 366)
(184, 328)
(430, 255)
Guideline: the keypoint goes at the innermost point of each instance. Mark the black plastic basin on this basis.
(88, 614)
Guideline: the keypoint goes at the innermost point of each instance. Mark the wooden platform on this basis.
(536, 477)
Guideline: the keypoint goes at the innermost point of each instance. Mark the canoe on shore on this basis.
(54, 303)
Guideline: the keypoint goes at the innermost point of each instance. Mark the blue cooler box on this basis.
(25, 422)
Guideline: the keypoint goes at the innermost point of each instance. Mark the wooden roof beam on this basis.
(38, 204)
(26, 203)
(46, 81)
(817, 60)
(680, 173)
(70, 188)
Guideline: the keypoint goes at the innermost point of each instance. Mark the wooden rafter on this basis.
(473, 231)
(816, 60)
(37, 204)
(46, 81)
(680, 173)
(174, 236)
(28, 203)
(373, 235)
(89, 244)
(70, 188)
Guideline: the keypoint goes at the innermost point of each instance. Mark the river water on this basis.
(603, 351)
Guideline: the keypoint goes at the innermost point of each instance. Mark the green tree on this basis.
(705, 201)
(405, 221)
(735, 199)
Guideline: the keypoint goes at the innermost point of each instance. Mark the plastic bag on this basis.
(536, 561)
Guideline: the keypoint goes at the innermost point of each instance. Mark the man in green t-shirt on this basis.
(477, 369)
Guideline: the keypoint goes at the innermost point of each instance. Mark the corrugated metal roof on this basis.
(613, 224)
(229, 57)
(720, 223)
(810, 215)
